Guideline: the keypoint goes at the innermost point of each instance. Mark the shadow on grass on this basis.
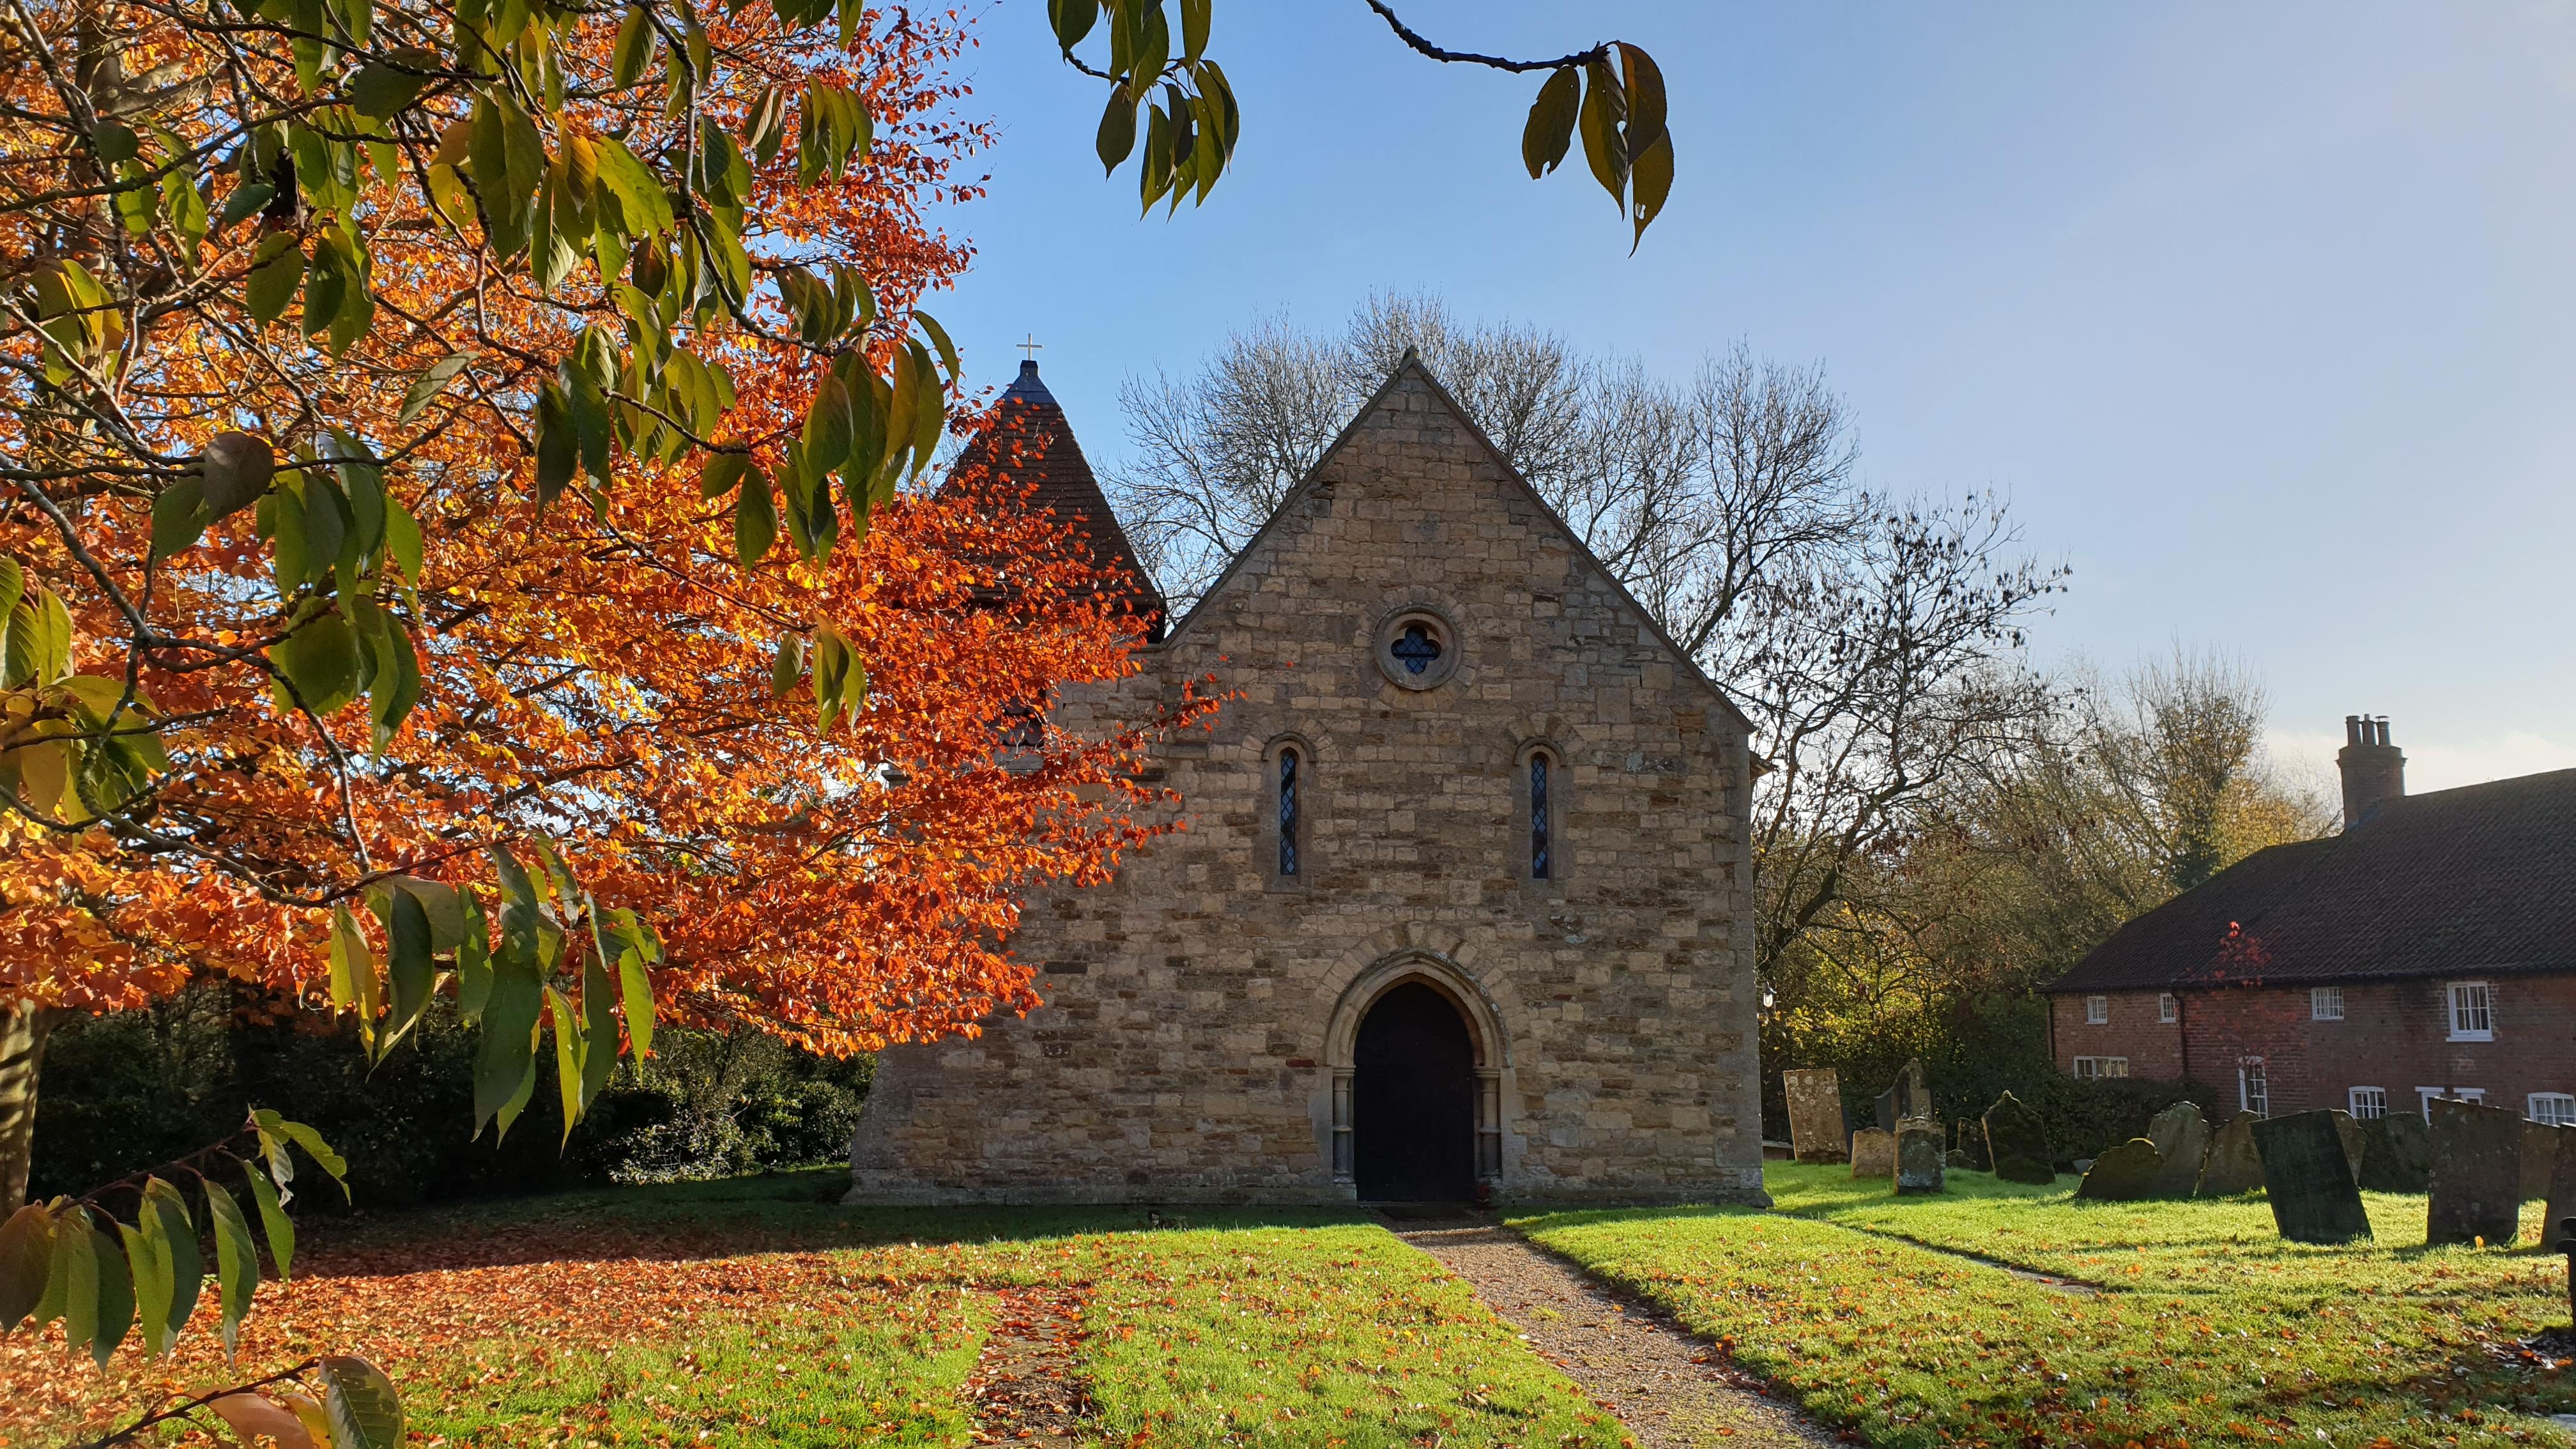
(779, 1212)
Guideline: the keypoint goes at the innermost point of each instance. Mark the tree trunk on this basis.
(23, 1029)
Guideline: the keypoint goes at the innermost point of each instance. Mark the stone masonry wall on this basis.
(1199, 1010)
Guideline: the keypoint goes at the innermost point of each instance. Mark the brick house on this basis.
(2427, 950)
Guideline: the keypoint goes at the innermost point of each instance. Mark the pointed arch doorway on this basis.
(1413, 1100)
(1418, 1057)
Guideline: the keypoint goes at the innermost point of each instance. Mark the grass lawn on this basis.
(755, 1312)
(2210, 1331)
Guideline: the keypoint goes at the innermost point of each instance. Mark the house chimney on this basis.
(2373, 769)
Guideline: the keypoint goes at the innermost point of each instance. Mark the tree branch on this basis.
(1414, 38)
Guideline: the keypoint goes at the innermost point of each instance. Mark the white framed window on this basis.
(2368, 1102)
(2325, 1003)
(2168, 1009)
(2097, 1010)
(2472, 1011)
(2095, 1069)
(2253, 1086)
(2556, 1109)
(2424, 1097)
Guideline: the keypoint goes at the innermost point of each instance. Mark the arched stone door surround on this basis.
(1484, 1031)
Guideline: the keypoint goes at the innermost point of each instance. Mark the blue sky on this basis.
(2263, 314)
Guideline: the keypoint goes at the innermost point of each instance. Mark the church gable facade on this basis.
(1460, 905)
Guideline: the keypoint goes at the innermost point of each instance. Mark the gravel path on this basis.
(1626, 1353)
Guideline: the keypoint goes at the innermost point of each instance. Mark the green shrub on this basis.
(132, 1089)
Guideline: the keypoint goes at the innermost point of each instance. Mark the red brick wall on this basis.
(2394, 1035)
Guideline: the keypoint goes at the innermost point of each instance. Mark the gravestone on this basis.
(2400, 1156)
(2356, 1143)
(2017, 1142)
(2542, 1145)
(2126, 1173)
(2476, 1191)
(2234, 1165)
(1960, 1161)
(1919, 1163)
(2181, 1138)
(1816, 1129)
(1885, 1107)
(1873, 1153)
(2562, 1206)
(1972, 1145)
(1912, 1092)
(2308, 1176)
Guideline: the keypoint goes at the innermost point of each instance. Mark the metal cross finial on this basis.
(1029, 348)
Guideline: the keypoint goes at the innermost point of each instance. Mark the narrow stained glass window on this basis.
(1538, 818)
(1287, 812)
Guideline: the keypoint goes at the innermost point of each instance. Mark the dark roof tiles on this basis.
(1029, 441)
(2480, 879)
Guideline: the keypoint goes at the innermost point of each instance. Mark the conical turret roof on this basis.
(1030, 443)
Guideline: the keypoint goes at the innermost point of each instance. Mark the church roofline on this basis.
(1413, 361)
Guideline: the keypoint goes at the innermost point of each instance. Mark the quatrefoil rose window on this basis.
(1417, 648)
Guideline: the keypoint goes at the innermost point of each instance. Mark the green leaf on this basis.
(246, 199)
(320, 661)
(432, 381)
(115, 141)
(315, 1148)
(505, 1066)
(1117, 138)
(272, 1220)
(26, 1263)
(382, 88)
(76, 1270)
(571, 1051)
(402, 539)
(1649, 184)
(638, 191)
(1072, 20)
(635, 45)
(179, 1240)
(786, 666)
(827, 427)
(148, 1258)
(558, 444)
(1603, 101)
(598, 1014)
(236, 470)
(765, 126)
(635, 986)
(353, 974)
(408, 965)
(1550, 128)
(1195, 16)
(115, 1295)
(236, 1262)
(276, 268)
(473, 960)
(365, 1412)
(1645, 97)
(179, 518)
(939, 338)
(326, 283)
(722, 474)
(755, 518)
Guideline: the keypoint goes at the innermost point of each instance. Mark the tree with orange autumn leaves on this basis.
(458, 525)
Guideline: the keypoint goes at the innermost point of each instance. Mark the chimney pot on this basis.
(2373, 770)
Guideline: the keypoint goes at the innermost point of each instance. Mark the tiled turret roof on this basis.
(1030, 442)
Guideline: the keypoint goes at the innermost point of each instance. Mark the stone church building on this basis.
(1461, 908)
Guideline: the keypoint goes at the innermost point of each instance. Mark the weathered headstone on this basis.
(2126, 1173)
(1913, 1092)
(2562, 1200)
(2017, 1142)
(2181, 1138)
(1873, 1153)
(1816, 1128)
(1919, 1164)
(2308, 1176)
(2234, 1165)
(2477, 1174)
(1959, 1160)
(1972, 1144)
(1885, 1107)
(2356, 1143)
(2400, 1158)
(2541, 1145)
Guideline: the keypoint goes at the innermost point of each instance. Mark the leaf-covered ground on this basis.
(756, 1313)
(2210, 1330)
